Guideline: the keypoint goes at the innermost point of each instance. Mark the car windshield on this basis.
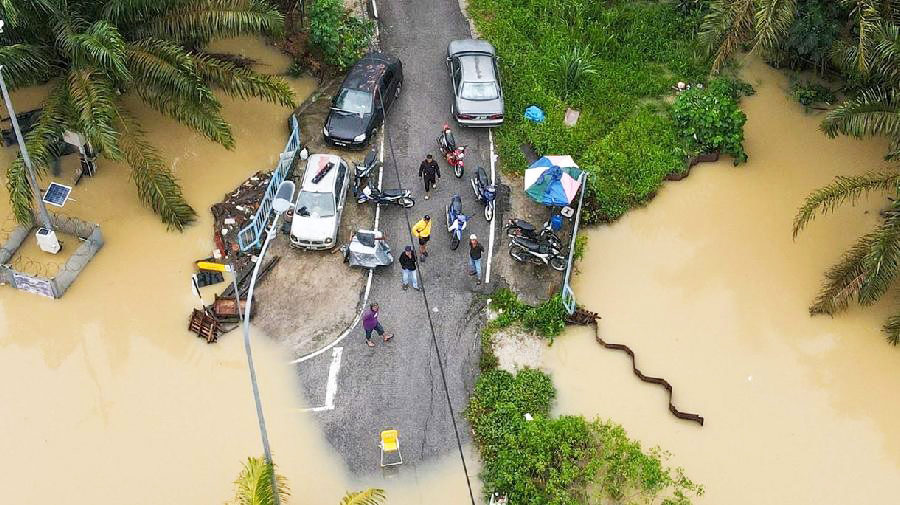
(314, 204)
(479, 91)
(354, 101)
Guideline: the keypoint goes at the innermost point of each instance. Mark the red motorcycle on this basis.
(452, 153)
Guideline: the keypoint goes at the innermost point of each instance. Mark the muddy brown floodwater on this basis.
(104, 395)
(708, 288)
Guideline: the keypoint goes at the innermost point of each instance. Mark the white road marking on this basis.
(487, 270)
(331, 384)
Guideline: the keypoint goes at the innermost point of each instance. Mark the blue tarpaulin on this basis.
(534, 113)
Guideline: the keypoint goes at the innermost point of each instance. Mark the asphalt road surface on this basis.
(398, 385)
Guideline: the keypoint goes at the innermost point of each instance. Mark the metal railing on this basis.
(250, 236)
(568, 295)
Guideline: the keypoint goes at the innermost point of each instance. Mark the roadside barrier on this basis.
(586, 318)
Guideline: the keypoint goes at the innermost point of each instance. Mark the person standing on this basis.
(430, 172)
(370, 324)
(408, 268)
(475, 251)
(422, 231)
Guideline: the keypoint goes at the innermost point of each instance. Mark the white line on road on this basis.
(331, 384)
(487, 271)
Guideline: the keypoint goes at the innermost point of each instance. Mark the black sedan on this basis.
(362, 101)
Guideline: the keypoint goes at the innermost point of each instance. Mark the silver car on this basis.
(475, 78)
(317, 212)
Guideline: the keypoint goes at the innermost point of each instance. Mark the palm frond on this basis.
(773, 20)
(253, 485)
(866, 18)
(241, 82)
(891, 329)
(93, 99)
(156, 185)
(25, 64)
(165, 67)
(371, 496)
(204, 118)
(100, 45)
(875, 111)
(135, 11)
(886, 54)
(728, 25)
(881, 261)
(843, 189)
(204, 20)
(843, 280)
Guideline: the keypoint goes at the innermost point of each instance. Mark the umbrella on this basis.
(553, 180)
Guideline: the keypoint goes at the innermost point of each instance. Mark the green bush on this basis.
(709, 119)
(547, 319)
(810, 93)
(340, 36)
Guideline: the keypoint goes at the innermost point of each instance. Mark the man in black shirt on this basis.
(430, 172)
(475, 250)
(408, 268)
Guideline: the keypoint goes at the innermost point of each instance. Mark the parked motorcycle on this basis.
(401, 197)
(525, 250)
(453, 153)
(484, 192)
(360, 172)
(456, 221)
(521, 228)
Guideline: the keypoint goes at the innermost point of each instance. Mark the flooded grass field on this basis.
(708, 288)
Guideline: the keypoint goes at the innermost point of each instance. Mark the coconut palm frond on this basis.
(93, 99)
(204, 118)
(891, 329)
(371, 496)
(728, 25)
(25, 65)
(101, 46)
(886, 54)
(134, 11)
(166, 68)
(203, 20)
(875, 111)
(253, 485)
(243, 82)
(156, 185)
(843, 280)
(773, 20)
(881, 261)
(866, 18)
(843, 189)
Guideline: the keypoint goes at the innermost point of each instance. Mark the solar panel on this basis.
(57, 194)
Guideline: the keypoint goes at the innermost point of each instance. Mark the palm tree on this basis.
(870, 267)
(94, 52)
(371, 496)
(253, 485)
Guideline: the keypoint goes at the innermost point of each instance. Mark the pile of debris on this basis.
(234, 213)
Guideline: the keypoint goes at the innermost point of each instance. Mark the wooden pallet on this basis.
(204, 325)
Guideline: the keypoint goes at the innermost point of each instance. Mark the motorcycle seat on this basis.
(370, 158)
(450, 141)
(482, 177)
(456, 205)
(532, 245)
(524, 225)
(392, 192)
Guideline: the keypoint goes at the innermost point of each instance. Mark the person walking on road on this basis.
(475, 251)
(430, 172)
(422, 231)
(370, 324)
(408, 268)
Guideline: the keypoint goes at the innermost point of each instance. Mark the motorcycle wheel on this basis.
(454, 241)
(489, 211)
(518, 254)
(406, 202)
(458, 170)
(558, 263)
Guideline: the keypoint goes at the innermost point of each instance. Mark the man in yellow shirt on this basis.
(422, 231)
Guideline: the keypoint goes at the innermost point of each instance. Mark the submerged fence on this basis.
(568, 295)
(249, 237)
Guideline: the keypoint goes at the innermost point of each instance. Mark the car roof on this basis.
(366, 72)
(313, 165)
(470, 46)
(476, 68)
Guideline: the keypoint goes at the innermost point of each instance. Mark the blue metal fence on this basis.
(568, 295)
(250, 236)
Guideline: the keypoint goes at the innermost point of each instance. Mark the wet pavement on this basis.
(399, 385)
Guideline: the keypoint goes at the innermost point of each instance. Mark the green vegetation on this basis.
(611, 60)
(812, 94)
(861, 39)
(563, 460)
(710, 120)
(547, 319)
(94, 55)
(340, 36)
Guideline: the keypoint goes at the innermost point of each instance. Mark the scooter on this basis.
(360, 172)
(484, 192)
(526, 250)
(521, 228)
(452, 153)
(456, 221)
(401, 197)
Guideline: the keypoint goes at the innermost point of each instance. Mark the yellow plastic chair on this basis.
(390, 443)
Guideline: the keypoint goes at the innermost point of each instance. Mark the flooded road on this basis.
(708, 288)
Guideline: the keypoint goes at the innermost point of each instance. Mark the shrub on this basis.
(340, 36)
(810, 93)
(709, 119)
(547, 319)
(574, 67)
